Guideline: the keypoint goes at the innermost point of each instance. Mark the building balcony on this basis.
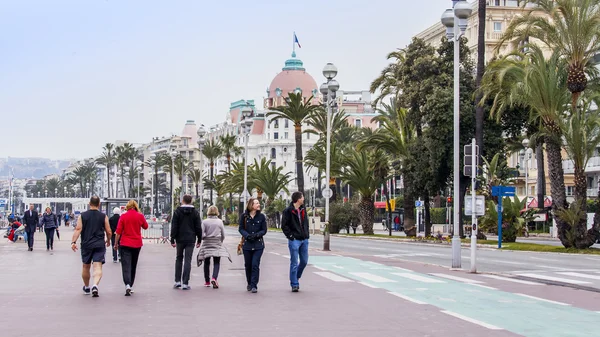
(593, 166)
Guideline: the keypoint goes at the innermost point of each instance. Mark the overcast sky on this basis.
(76, 74)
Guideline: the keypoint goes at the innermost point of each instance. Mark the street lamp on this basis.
(456, 23)
(525, 156)
(154, 182)
(246, 128)
(328, 90)
(201, 141)
(64, 196)
(139, 165)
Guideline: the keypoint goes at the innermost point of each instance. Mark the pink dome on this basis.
(293, 77)
(190, 130)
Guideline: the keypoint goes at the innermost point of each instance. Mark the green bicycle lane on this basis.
(489, 307)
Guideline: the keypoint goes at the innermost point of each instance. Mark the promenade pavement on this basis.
(341, 295)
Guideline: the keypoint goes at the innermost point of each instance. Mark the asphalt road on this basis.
(352, 294)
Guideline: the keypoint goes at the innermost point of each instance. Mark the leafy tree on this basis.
(212, 151)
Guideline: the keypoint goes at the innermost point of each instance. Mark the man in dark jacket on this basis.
(31, 220)
(294, 225)
(114, 221)
(186, 229)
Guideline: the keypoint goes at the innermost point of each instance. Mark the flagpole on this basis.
(294, 43)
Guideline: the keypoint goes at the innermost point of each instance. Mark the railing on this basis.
(593, 165)
(592, 192)
(158, 231)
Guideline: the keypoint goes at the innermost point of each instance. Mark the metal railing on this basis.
(157, 230)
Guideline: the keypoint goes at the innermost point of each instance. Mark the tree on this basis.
(297, 111)
(196, 176)
(390, 80)
(269, 179)
(230, 148)
(479, 110)
(108, 160)
(212, 151)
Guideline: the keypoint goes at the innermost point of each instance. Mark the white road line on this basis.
(286, 256)
(373, 278)
(407, 298)
(486, 287)
(551, 278)
(471, 320)
(593, 277)
(333, 277)
(509, 279)
(338, 267)
(369, 285)
(320, 268)
(274, 253)
(418, 277)
(456, 278)
(403, 269)
(540, 259)
(505, 262)
(542, 299)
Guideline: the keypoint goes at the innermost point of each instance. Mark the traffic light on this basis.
(449, 201)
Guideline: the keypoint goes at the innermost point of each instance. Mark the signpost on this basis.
(501, 192)
(477, 202)
(419, 205)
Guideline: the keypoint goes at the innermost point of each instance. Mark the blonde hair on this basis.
(132, 204)
(48, 208)
(212, 211)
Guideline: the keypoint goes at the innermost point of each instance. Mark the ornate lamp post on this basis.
(246, 128)
(201, 141)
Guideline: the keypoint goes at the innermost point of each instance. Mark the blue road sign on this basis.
(501, 192)
(418, 203)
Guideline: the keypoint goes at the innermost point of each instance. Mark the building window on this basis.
(275, 135)
(358, 123)
(285, 135)
(590, 182)
(286, 123)
(497, 26)
(570, 190)
(308, 136)
(273, 153)
(284, 163)
(276, 123)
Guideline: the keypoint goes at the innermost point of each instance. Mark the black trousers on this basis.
(252, 266)
(115, 254)
(184, 250)
(49, 237)
(30, 238)
(129, 260)
(216, 268)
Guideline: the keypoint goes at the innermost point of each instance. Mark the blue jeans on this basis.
(298, 250)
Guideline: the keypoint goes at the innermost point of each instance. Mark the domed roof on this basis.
(190, 130)
(293, 78)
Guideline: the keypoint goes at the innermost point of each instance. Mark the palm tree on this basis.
(230, 148)
(298, 111)
(531, 79)
(52, 185)
(212, 151)
(358, 173)
(482, 4)
(121, 158)
(270, 180)
(571, 28)
(389, 80)
(196, 176)
(181, 168)
(234, 180)
(108, 160)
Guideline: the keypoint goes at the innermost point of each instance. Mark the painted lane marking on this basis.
(320, 268)
(486, 287)
(593, 277)
(406, 298)
(373, 278)
(419, 278)
(368, 285)
(551, 278)
(541, 259)
(333, 277)
(456, 278)
(509, 279)
(338, 267)
(403, 269)
(274, 253)
(471, 320)
(286, 256)
(541, 299)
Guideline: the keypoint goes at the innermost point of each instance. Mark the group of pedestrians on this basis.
(49, 222)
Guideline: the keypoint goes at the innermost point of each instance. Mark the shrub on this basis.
(342, 215)
(438, 216)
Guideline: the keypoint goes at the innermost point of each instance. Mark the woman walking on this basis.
(253, 226)
(50, 224)
(213, 234)
(129, 238)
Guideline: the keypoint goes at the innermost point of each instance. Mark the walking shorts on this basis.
(89, 255)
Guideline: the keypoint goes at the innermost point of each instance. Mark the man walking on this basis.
(294, 224)
(95, 234)
(186, 229)
(31, 221)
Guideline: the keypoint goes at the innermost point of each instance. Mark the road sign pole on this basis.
(473, 209)
(500, 220)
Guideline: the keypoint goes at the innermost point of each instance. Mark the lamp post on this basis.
(246, 128)
(64, 196)
(201, 141)
(139, 165)
(154, 182)
(173, 155)
(526, 154)
(328, 90)
(127, 171)
(455, 21)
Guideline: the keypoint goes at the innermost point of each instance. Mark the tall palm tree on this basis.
(389, 80)
(52, 185)
(181, 168)
(196, 176)
(298, 111)
(358, 173)
(531, 79)
(108, 160)
(121, 158)
(270, 180)
(570, 28)
(230, 148)
(212, 151)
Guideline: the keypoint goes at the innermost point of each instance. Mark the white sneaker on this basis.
(177, 285)
(128, 290)
(185, 287)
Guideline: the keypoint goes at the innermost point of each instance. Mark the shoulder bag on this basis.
(239, 247)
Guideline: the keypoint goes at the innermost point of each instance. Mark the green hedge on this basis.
(438, 216)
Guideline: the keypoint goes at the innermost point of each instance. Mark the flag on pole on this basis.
(296, 40)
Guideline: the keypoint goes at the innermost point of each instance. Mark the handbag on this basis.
(241, 244)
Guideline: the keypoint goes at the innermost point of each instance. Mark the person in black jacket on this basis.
(114, 221)
(31, 221)
(294, 225)
(253, 226)
(186, 229)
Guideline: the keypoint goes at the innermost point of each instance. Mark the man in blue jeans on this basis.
(294, 224)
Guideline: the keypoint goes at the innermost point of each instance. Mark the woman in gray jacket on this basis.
(50, 224)
(213, 234)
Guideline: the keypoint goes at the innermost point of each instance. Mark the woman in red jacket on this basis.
(129, 236)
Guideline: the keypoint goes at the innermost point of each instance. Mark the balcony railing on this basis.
(592, 166)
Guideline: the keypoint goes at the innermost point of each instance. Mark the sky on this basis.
(77, 74)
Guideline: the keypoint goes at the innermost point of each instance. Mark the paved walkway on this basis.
(340, 296)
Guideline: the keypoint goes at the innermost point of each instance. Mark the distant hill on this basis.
(32, 168)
